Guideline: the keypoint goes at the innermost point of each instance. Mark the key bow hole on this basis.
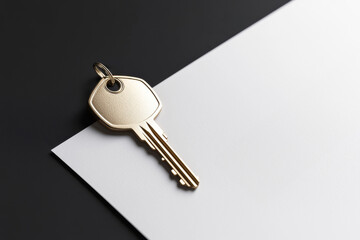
(116, 87)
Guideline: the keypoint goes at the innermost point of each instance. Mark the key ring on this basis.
(100, 69)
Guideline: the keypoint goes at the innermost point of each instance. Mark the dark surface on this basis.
(47, 50)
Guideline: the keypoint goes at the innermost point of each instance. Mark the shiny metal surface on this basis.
(135, 106)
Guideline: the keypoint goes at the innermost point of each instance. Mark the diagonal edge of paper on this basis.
(277, 154)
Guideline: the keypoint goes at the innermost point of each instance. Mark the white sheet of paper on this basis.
(269, 121)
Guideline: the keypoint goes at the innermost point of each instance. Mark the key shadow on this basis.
(129, 133)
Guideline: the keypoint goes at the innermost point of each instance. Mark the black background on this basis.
(47, 52)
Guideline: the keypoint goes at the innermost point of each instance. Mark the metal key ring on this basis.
(100, 69)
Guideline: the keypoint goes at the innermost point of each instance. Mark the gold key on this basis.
(124, 103)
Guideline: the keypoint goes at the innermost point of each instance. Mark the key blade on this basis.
(154, 136)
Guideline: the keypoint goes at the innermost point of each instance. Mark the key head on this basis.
(133, 103)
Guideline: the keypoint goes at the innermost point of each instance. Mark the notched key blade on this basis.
(153, 133)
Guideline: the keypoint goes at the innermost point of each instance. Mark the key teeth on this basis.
(158, 139)
(182, 182)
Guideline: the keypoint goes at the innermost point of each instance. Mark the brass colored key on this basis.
(134, 105)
